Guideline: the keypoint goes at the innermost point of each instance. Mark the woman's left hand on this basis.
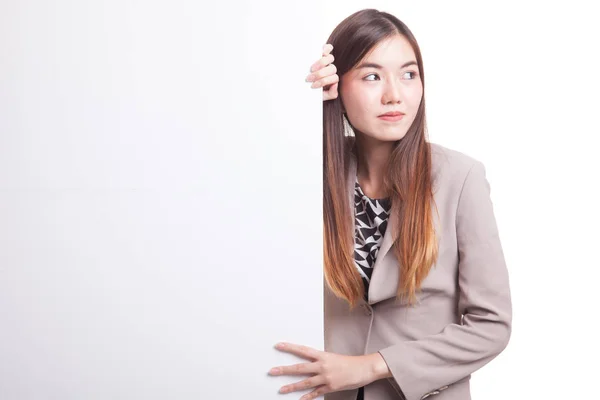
(333, 372)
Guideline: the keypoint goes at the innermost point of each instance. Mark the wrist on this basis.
(378, 366)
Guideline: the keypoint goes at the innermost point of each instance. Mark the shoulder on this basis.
(450, 167)
(442, 156)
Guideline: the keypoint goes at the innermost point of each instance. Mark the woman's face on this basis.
(386, 80)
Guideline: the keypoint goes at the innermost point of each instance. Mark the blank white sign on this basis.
(160, 198)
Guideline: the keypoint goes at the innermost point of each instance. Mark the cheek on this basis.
(364, 102)
(414, 96)
(360, 103)
(368, 101)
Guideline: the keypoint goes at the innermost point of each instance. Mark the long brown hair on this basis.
(408, 179)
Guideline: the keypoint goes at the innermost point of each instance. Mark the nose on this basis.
(392, 92)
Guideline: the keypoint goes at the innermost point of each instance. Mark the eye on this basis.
(413, 73)
(370, 75)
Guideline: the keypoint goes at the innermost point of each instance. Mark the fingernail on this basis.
(280, 345)
(309, 78)
(274, 371)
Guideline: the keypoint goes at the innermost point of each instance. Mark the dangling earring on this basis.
(348, 131)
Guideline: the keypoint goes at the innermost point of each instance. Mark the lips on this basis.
(392, 114)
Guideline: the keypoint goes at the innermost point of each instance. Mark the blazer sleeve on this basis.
(425, 366)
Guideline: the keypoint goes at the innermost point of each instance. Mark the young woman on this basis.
(417, 292)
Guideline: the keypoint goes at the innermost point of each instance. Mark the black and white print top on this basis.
(371, 219)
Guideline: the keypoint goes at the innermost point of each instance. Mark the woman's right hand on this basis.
(324, 74)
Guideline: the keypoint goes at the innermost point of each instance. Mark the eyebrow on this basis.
(377, 66)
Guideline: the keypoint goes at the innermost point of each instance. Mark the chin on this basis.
(393, 137)
(385, 136)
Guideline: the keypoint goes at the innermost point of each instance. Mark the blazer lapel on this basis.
(384, 278)
(385, 275)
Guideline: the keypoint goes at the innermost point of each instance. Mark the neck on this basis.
(372, 160)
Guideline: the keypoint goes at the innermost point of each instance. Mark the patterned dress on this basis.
(371, 219)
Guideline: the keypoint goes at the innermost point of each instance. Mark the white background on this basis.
(160, 188)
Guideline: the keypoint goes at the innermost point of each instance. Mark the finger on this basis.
(331, 69)
(322, 62)
(331, 93)
(327, 48)
(296, 369)
(321, 390)
(300, 350)
(303, 385)
(328, 80)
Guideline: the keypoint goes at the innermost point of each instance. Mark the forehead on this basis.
(391, 52)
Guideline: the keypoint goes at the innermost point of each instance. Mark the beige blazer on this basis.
(463, 316)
